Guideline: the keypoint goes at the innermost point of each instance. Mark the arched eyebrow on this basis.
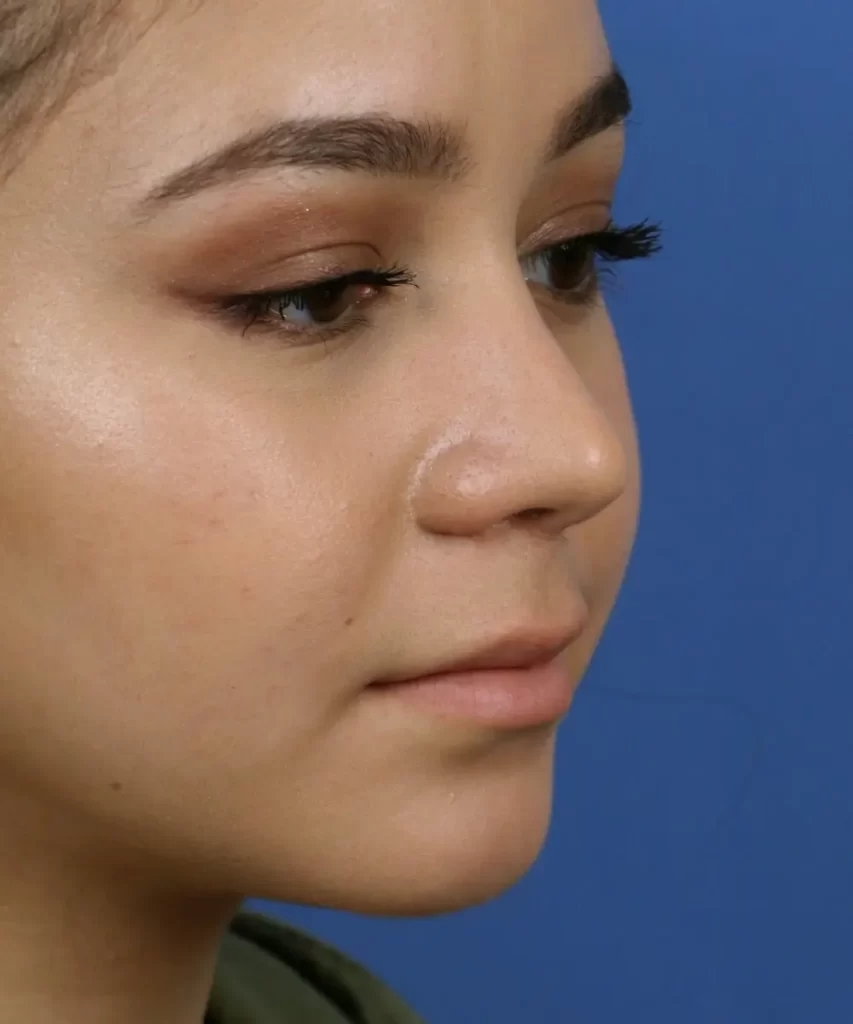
(379, 145)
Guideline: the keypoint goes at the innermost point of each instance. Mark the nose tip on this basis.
(550, 484)
(582, 488)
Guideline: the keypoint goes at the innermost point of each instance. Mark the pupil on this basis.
(324, 303)
(570, 267)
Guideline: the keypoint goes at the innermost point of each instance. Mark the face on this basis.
(224, 518)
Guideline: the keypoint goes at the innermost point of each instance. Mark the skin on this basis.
(211, 544)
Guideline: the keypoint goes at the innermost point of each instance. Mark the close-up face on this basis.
(307, 386)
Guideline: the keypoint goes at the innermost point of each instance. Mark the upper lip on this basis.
(517, 649)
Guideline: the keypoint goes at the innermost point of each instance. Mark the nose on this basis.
(523, 440)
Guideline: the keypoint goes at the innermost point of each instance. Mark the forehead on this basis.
(380, 48)
(204, 73)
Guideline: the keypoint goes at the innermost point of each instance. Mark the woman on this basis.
(308, 394)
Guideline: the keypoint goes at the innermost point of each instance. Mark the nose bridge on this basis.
(520, 435)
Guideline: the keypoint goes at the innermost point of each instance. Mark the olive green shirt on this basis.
(272, 973)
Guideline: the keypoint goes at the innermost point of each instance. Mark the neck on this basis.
(84, 942)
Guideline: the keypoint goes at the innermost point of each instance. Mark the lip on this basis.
(519, 681)
(519, 649)
(502, 699)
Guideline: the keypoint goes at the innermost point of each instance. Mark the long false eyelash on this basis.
(637, 241)
(615, 244)
(610, 245)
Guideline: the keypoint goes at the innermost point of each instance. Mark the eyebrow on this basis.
(380, 145)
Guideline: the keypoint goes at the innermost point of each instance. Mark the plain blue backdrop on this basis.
(700, 864)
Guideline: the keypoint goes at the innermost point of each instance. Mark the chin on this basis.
(457, 884)
(439, 860)
(450, 893)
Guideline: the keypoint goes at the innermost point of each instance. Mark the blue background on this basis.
(700, 865)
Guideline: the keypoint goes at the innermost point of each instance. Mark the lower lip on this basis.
(497, 698)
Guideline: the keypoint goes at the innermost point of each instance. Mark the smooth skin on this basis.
(212, 543)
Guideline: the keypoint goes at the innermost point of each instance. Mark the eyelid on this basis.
(257, 306)
(288, 272)
(573, 222)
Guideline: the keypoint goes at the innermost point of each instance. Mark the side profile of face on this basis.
(223, 517)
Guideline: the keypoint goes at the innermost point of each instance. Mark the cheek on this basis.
(181, 580)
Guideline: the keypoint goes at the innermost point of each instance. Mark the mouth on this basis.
(520, 680)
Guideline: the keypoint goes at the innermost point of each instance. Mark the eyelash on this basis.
(267, 310)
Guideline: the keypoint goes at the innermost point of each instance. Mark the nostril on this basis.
(534, 514)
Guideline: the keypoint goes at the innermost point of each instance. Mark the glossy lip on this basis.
(519, 681)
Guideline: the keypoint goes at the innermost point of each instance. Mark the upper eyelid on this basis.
(316, 283)
(310, 278)
(334, 278)
(296, 290)
(544, 245)
(307, 286)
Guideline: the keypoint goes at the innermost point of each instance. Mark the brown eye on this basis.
(328, 306)
(568, 269)
(571, 266)
(323, 303)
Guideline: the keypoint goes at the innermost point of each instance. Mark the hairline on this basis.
(64, 48)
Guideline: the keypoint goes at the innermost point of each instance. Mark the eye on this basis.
(316, 310)
(569, 270)
(322, 304)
